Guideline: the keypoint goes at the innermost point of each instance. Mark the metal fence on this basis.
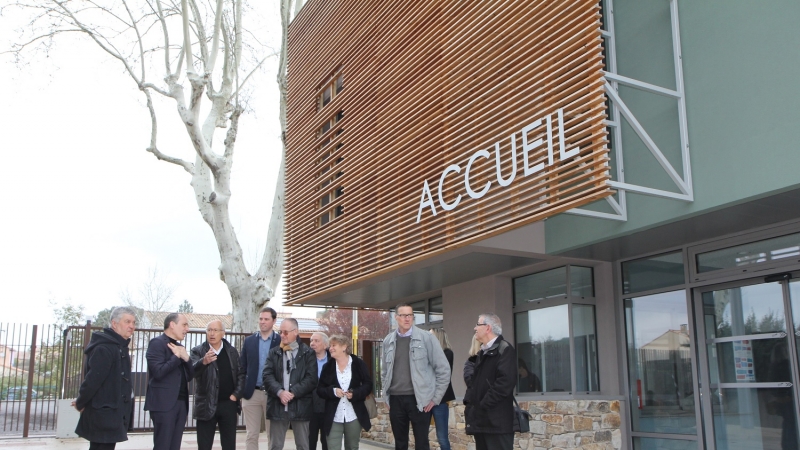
(30, 368)
(40, 364)
(76, 339)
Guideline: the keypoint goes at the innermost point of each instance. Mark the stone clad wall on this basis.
(579, 424)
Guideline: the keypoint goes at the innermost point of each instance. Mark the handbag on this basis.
(372, 406)
(521, 419)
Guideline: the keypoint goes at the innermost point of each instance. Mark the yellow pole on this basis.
(355, 332)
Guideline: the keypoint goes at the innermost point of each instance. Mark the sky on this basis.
(88, 213)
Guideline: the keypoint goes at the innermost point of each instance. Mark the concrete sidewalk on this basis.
(144, 441)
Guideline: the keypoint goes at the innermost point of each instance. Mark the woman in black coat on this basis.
(105, 396)
(344, 384)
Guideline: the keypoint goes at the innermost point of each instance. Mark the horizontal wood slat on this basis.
(427, 85)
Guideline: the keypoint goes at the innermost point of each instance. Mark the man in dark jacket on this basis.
(489, 400)
(169, 370)
(105, 396)
(218, 388)
(290, 377)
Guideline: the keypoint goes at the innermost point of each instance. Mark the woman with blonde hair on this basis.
(469, 364)
(441, 412)
(344, 383)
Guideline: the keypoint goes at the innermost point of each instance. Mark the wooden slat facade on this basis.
(426, 84)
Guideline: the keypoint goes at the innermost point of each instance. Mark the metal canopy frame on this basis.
(618, 110)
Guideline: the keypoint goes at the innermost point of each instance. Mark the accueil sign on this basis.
(426, 200)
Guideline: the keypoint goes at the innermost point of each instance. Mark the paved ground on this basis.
(142, 441)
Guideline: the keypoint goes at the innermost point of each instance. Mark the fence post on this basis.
(65, 341)
(29, 396)
(87, 335)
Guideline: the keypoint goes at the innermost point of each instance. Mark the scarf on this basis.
(290, 347)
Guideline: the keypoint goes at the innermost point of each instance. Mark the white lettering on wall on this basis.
(470, 192)
(426, 199)
(442, 203)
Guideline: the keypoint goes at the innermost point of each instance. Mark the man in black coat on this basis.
(489, 400)
(218, 388)
(105, 396)
(169, 371)
(290, 377)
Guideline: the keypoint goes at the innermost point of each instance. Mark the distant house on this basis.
(198, 322)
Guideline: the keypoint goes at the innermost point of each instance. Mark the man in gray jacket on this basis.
(415, 376)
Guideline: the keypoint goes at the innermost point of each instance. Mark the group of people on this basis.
(319, 390)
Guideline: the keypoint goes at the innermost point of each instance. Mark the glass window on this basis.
(419, 312)
(767, 250)
(543, 350)
(642, 443)
(338, 211)
(325, 218)
(324, 200)
(652, 273)
(326, 96)
(659, 363)
(539, 286)
(583, 329)
(745, 310)
(754, 419)
(435, 310)
(794, 294)
(581, 283)
(339, 83)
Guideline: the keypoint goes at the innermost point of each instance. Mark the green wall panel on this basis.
(741, 63)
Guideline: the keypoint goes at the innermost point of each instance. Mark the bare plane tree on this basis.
(197, 54)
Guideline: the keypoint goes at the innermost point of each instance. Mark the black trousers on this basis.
(315, 432)
(168, 426)
(402, 412)
(490, 441)
(226, 418)
(101, 446)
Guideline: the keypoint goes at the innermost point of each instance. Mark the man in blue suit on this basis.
(251, 362)
(169, 372)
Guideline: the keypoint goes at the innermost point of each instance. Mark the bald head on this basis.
(215, 331)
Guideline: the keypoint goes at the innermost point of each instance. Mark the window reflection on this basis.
(543, 350)
(659, 360)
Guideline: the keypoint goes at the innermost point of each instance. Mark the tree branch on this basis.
(153, 148)
(233, 130)
(215, 38)
(138, 37)
(160, 14)
(187, 42)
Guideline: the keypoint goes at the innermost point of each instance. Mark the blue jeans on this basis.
(441, 413)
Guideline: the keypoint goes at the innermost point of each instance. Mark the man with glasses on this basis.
(290, 377)
(254, 356)
(218, 388)
(415, 376)
(489, 400)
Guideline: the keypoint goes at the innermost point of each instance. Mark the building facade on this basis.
(617, 180)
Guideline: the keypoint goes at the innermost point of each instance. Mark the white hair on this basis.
(322, 336)
(120, 311)
(494, 322)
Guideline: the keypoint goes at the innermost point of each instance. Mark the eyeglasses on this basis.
(481, 324)
(286, 332)
(213, 330)
(405, 316)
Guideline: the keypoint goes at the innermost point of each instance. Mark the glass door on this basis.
(748, 365)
